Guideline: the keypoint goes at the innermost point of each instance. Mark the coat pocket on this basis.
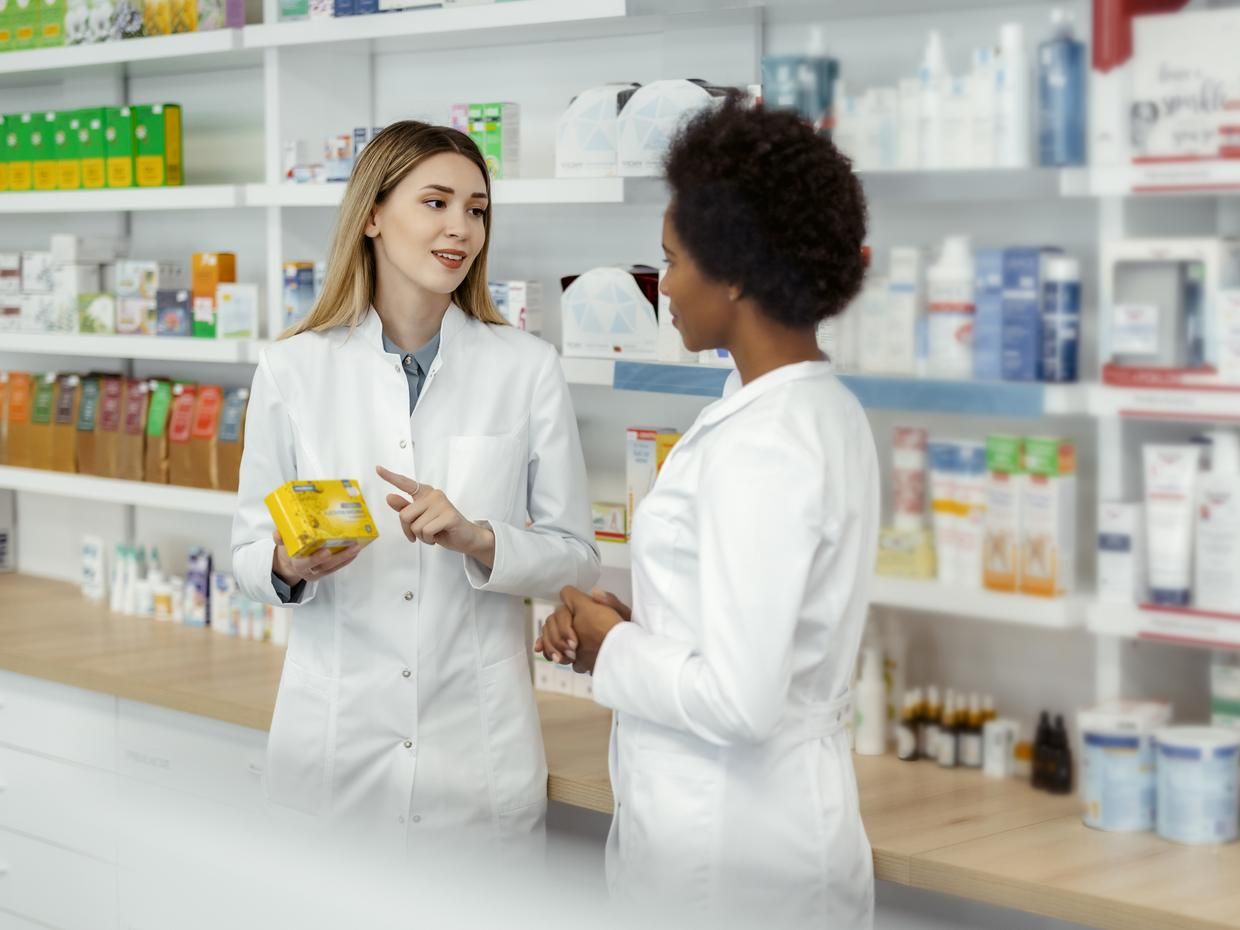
(515, 757)
(485, 474)
(297, 748)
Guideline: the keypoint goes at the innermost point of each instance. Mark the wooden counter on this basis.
(954, 832)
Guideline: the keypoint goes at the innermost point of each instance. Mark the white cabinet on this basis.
(56, 887)
(66, 804)
(57, 720)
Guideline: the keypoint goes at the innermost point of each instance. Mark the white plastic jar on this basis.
(1117, 765)
(1198, 784)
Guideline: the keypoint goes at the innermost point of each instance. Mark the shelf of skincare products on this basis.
(160, 349)
(84, 290)
(1218, 404)
(194, 197)
(529, 20)
(975, 184)
(116, 491)
(504, 192)
(189, 45)
(932, 597)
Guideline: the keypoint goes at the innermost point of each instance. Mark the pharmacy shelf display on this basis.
(153, 348)
(1181, 626)
(116, 491)
(504, 192)
(189, 197)
(1206, 405)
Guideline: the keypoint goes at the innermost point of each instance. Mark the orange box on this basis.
(210, 270)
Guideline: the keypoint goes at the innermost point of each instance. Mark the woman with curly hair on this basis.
(734, 785)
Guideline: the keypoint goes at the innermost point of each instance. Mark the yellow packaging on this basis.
(906, 554)
(311, 515)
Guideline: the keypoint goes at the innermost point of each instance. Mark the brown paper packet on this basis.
(42, 409)
(4, 417)
(21, 390)
(131, 463)
(158, 415)
(64, 423)
(204, 465)
(108, 425)
(180, 427)
(88, 417)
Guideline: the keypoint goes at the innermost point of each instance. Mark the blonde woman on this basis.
(405, 705)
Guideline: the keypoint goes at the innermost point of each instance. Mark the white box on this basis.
(1229, 335)
(1121, 552)
(606, 315)
(68, 249)
(520, 303)
(671, 347)
(236, 311)
(38, 313)
(586, 135)
(904, 313)
(650, 119)
(8, 531)
(1048, 519)
(10, 313)
(70, 284)
(37, 273)
(10, 272)
(645, 450)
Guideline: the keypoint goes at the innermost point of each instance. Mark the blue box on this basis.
(1021, 339)
(172, 313)
(988, 314)
(365, 7)
(344, 7)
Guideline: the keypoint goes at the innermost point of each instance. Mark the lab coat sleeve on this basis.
(761, 519)
(269, 460)
(558, 546)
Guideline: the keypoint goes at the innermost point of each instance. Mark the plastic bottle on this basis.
(949, 735)
(117, 594)
(933, 724)
(1217, 573)
(908, 133)
(906, 730)
(932, 90)
(950, 305)
(1061, 319)
(895, 657)
(1061, 95)
(1012, 99)
(154, 570)
(982, 104)
(871, 712)
(971, 735)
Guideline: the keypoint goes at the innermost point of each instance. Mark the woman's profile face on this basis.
(702, 310)
(430, 228)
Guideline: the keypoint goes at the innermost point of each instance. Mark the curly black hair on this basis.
(763, 202)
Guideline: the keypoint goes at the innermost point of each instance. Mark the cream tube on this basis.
(1170, 492)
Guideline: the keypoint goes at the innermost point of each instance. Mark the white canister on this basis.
(1117, 765)
(998, 747)
(1198, 784)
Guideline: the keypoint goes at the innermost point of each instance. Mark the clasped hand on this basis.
(575, 632)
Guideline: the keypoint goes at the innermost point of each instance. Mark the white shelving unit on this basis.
(1184, 627)
(184, 46)
(154, 348)
(929, 597)
(114, 491)
(190, 197)
(548, 191)
(1219, 405)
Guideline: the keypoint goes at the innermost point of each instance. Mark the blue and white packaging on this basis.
(586, 135)
(1117, 764)
(606, 315)
(1023, 271)
(988, 314)
(1061, 319)
(1198, 782)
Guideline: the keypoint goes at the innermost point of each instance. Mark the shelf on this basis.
(930, 597)
(114, 491)
(651, 377)
(195, 197)
(156, 348)
(973, 184)
(515, 191)
(972, 398)
(1207, 405)
(1169, 625)
(542, 20)
(188, 45)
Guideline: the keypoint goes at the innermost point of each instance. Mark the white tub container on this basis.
(1117, 764)
(1198, 784)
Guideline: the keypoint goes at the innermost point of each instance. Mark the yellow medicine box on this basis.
(311, 515)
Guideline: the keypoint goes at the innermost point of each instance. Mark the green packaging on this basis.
(24, 17)
(477, 127)
(91, 148)
(501, 138)
(1003, 454)
(51, 23)
(65, 145)
(157, 135)
(6, 25)
(4, 151)
(43, 151)
(119, 146)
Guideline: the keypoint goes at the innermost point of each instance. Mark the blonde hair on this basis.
(349, 288)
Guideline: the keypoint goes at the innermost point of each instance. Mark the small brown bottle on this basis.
(949, 735)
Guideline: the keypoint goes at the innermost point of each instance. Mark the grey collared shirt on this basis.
(416, 364)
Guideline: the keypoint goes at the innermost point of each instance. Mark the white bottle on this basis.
(886, 128)
(845, 135)
(871, 706)
(982, 105)
(949, 290)
(117, 594)
(1013, 100)
(957, 123)
(932, 86)
(129, 589)
(895, 659)
(908, 125)
(1217, 579)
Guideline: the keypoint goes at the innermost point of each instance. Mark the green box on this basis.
(157, 135)
(91, 149)
(65, 145)
(501, 138)
(51, 23)
(4, 152)
(6, 24)
(43, 151)
(25, 19)
(477, 126)
(1003, 454)
(1049, 457)
(118, 129)
(17, 151)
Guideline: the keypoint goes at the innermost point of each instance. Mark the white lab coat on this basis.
(734, 784)
(406, 703)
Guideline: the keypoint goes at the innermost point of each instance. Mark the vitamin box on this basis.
(311, 515)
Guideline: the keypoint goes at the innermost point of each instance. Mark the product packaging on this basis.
(312, 515)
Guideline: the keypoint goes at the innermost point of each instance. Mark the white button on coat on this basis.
(734, 783)
(495, 430)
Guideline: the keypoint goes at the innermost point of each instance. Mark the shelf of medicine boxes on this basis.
(876, 392)
(1209, 405)
(529, 20)
(976, 184)
(505, 192)
(153, 348)
(115, 491)
(929, 597)
(181, 52)
(1166, 624)
(188, 197)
